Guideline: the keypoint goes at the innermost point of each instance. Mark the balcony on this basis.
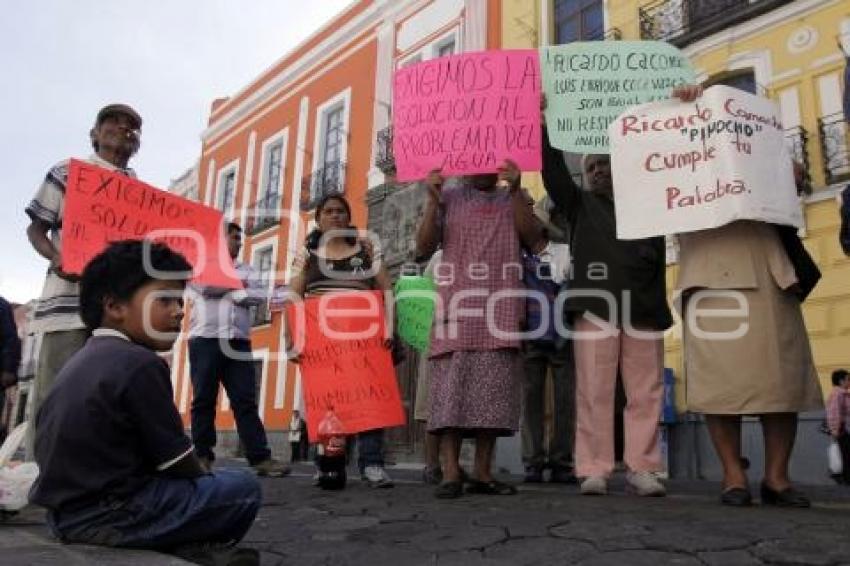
(384, 157)
(835, 148)
(263, 214)
(329, 180)
(682, 22)
(797, 139)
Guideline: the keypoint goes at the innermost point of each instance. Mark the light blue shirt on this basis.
(217, 312)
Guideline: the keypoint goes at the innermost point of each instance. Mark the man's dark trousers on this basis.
(209, 365)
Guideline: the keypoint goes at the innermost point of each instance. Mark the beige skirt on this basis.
(769, 369)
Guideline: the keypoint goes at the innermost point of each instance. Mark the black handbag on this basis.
(805, 267)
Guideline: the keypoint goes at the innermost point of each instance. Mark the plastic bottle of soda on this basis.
(331, 459)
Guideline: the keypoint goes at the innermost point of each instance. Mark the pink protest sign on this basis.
(467, 113)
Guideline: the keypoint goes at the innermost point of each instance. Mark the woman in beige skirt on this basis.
(746, 350)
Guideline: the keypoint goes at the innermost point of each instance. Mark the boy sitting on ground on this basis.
(116, 467)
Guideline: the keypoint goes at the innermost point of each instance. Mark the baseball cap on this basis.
(113, 109)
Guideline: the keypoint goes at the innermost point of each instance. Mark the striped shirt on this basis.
(58, 308)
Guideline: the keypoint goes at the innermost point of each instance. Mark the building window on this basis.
(445, 47)
(227, 191)
(579, 20)
(743, 80)
(273, 160)
(264, 265)
(332, 136)
(441, 46)
(332, 147)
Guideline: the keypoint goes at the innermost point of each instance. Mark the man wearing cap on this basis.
(115, 139)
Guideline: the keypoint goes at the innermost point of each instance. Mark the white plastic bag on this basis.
(15, 480)
(558, 257)
(15, 483)
(833, 453)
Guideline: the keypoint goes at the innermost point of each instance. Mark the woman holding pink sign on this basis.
(479, 222)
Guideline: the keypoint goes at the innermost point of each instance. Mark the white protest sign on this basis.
(681, 167)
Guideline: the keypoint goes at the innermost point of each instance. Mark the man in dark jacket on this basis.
(617, 293)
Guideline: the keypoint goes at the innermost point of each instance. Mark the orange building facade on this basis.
(307, 127)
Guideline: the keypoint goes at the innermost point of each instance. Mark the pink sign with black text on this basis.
(466, 114)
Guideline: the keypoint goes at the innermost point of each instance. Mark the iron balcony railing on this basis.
(329, 180)
(262, 214)
(684, 21)
(797, 140)
(835, 147)
(384, 157)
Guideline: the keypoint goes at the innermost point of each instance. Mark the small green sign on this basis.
(415, 297)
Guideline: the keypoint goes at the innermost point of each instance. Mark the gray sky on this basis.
(62, 60)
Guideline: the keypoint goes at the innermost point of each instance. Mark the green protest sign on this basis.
(415, 298)
(588, 84)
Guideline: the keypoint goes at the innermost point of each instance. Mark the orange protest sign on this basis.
(103, 206)
(344, 363)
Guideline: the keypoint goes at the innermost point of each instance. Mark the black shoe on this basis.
(788, 497)
(533, 474)
(213, 554)
(736, 497)
(562, 475)
(449, 490)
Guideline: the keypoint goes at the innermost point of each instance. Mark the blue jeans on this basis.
(167, 513)
(209, 365)
(370, 448)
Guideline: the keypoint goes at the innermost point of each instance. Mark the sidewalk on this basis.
(545, 524)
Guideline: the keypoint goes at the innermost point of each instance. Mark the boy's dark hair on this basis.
(233, 227)
(838, 376)
(119, 271)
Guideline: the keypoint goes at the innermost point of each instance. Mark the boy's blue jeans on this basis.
(370, 449)
(167, 513)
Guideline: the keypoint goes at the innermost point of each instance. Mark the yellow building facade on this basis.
(788, 51)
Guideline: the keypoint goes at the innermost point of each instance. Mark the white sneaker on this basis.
(594, 485)
(645, 484)
(376, 476)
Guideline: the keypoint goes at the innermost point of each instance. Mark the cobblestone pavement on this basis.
(544, 524)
